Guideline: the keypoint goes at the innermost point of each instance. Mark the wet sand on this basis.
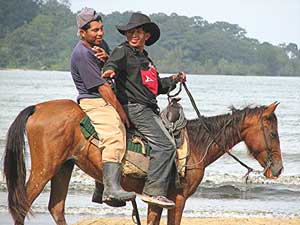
(195, 221)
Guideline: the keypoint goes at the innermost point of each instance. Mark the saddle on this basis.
(136, 160)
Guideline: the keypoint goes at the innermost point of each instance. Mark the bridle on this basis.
(268, 148)
(250, 170)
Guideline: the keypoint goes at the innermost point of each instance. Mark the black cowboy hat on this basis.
(137, 20)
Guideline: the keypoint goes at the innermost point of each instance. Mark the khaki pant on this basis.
(109, 127)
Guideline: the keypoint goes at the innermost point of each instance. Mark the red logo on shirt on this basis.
(149, 79)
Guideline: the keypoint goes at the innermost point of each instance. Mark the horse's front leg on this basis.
(58, 194)
(175, 214)
(154, 215)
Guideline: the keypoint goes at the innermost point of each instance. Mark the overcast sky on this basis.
(274, 21)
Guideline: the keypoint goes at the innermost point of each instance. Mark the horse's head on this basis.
(260, 134)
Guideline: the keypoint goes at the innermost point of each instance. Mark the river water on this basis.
(223, 191)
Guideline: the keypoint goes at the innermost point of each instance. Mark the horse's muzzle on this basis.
(275, 170)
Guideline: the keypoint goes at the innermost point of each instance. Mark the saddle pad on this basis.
(87, 128)
(136, 164)
(182, 154)
(137, 145)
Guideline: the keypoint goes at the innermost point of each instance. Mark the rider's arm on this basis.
(109, 96)
(117, 60)
(165, 84)
(169, 83)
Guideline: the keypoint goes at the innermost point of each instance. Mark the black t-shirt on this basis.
(128, 62)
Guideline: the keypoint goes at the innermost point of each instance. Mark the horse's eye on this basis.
(273, 134)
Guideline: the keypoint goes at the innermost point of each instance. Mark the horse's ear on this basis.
(270, 109)
(177, 99)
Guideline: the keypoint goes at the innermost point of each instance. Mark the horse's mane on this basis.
(201, 138)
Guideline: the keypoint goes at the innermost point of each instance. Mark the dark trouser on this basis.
(163, 148)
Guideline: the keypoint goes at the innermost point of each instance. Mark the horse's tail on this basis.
(14, 166)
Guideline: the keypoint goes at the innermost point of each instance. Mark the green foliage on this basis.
(40, 34)
(44, 43)
(15, 13)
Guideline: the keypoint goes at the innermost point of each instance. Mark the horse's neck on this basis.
(224, 133)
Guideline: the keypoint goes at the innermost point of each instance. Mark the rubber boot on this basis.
(97, 196)
(111, 181)
(98, 191)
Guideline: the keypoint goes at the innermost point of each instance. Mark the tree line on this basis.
(40, 34)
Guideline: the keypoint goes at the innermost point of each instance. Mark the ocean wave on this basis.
(226, 186)
(105, 211)
(219, 178)
(237, 191)
(82, 182)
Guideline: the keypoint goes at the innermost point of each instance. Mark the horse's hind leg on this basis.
(35, 185)
(58, 194)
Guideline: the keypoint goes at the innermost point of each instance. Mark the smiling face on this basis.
(94, 34)
(137, 37)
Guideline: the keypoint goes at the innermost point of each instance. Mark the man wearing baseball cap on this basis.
(138, 84)
(99, 102)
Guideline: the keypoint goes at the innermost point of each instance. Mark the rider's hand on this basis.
(124, 118)
(179, 77)
(108, 74)
(100, 53)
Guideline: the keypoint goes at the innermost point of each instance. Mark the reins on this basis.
(269, 150)
(250, 170)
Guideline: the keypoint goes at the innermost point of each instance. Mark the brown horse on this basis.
(56, 144)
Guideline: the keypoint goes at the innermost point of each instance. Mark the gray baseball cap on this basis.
(87, 15)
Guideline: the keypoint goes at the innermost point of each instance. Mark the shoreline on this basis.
(193, 74)
(196, 221)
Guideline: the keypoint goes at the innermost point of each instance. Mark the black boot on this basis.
(111, 181)
(98, 191)
(97, 197)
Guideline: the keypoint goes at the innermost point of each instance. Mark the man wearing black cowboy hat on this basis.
(137, 85)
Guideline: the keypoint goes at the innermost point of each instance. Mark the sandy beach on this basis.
(195, 221)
